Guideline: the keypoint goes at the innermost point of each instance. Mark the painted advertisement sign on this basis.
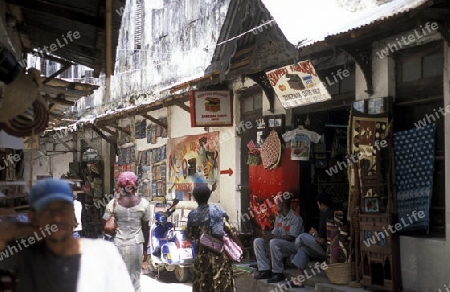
(297, 85)
(193, 160)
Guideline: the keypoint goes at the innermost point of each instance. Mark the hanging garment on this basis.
(300, 139)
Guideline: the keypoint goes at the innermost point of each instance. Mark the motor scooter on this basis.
(168, 248)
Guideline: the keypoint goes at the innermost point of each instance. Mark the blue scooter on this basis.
(168, 248)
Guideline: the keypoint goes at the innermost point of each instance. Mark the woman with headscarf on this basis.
(211, 272)
(132, 214)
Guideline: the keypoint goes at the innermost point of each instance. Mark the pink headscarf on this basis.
(127, 181)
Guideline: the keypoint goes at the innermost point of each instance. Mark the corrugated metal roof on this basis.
(305, 23)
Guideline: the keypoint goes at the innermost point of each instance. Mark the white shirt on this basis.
(78, 207)
(102, 268)
(300, 142)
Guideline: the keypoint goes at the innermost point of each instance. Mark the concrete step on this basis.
(327, 287)
(313, 282)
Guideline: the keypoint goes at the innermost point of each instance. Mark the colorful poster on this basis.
(193, 160)
(211, 108)
(297, 85)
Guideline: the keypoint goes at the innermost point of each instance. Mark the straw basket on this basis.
(339, 273)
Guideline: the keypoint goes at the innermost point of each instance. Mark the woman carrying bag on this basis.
(131, 214)
(206, 228)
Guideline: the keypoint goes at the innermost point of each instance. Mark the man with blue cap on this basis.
(46, 256)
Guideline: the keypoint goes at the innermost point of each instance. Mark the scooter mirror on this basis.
(175, 202)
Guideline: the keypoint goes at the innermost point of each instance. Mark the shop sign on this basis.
(297, 85)
(211, 108)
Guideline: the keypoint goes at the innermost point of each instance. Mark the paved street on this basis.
(167, 281)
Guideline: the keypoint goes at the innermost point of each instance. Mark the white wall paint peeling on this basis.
(177, 43)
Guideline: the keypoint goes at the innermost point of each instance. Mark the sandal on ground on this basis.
(292, 284)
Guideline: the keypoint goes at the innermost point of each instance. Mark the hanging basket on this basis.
(339, 273)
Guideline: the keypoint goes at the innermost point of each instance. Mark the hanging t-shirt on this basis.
(300, 142)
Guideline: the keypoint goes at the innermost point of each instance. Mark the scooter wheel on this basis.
(182, 274)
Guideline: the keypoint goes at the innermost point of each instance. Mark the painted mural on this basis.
(192, 160)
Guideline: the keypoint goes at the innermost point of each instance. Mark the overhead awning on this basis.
(72, 30)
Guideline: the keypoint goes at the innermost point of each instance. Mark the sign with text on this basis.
(297, 85)
(211, 108)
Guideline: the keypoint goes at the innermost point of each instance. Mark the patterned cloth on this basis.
(414, 167)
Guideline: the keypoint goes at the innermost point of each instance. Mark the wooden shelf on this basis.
(13, 183)
(15, 196)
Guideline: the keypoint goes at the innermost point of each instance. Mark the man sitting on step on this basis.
(273, 247)
(312, 245)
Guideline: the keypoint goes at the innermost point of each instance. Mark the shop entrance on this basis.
(325, 171)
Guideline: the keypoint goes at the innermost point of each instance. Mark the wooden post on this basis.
(355, 206)
(31, 158)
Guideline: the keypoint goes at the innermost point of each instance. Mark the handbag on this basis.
(111, 224)
(211, 243)
(232, 249)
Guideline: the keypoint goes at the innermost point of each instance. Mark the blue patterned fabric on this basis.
(205, 215)
(414, 167)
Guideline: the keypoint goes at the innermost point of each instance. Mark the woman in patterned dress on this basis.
(212, 272)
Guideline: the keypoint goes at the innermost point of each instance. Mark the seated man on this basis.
(312, 245)
(279, 243)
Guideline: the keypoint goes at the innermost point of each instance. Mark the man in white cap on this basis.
(46, 256)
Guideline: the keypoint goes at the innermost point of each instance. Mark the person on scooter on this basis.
(132, 233)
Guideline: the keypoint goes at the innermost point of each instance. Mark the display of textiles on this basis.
(369, 142)
(139, 130)
(128, 155)
(414, 168)
(132, 154)
(149, 134)
(122, 156)
(149, 157)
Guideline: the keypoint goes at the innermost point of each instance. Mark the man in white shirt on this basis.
(77, 210)
(273, 246)
(47, 258)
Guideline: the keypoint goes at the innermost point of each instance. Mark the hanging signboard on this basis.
(297, 85)
(211, 108)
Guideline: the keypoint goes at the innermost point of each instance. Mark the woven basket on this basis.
(339, 273)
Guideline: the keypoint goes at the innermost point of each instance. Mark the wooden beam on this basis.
(64, 67)
(106, 129)
(121, 129)
(61, 100)
(133, 129)
(60, 11)
(45, 38)
(64, 143)
(180, 104)
(156, 121)
(107, 139)
(62, 90)
(71, 85)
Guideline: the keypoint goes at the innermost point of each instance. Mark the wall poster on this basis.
(192, 160)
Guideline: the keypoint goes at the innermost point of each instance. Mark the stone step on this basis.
(317, 282)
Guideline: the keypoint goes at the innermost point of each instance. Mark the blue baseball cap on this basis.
(47, 191)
